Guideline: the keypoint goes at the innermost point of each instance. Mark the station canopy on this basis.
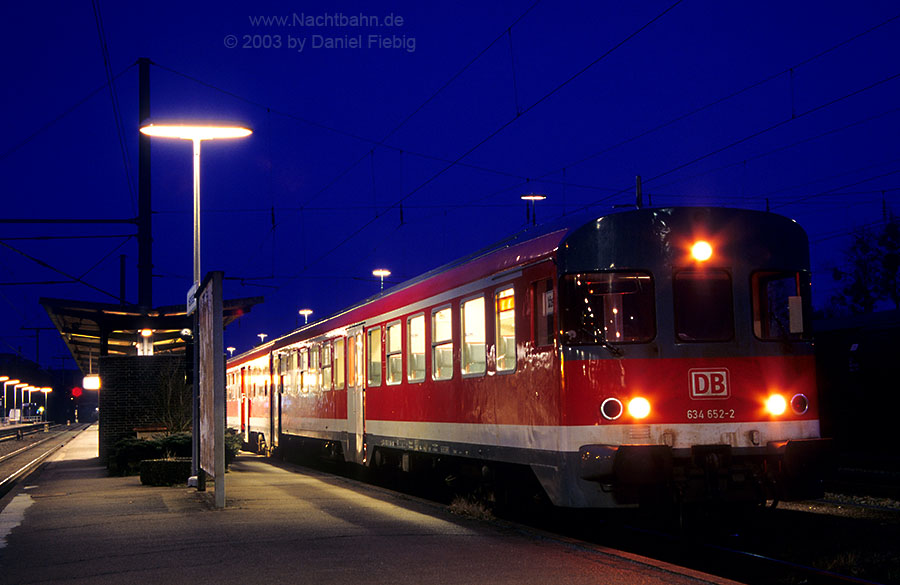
(92, 329)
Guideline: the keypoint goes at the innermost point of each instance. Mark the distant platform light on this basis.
(91, 382)
(381, 273)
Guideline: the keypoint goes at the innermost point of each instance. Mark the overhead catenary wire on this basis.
(117, 114)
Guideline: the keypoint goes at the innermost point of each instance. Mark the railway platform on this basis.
(71, 523)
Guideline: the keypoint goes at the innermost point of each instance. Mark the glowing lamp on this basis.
(91, 382)
(639, 407)
(381, 273)
(776, 404)
(701, 251)
(146, 332)
(196, 131)
(307, 312)
(533, 197)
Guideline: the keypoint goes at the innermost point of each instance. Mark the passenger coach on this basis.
(644, 352)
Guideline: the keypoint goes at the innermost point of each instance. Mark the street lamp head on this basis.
(382, 272)
(191, 130)
(533, 197)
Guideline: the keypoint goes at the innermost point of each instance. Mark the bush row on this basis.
(126, 455)
(165, 471)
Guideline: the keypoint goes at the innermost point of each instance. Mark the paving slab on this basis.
(71, 523)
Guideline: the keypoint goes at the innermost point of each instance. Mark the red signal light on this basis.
(76, 391)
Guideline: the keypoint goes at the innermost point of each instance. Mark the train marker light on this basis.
(776, 404)
(639, 407)
(701, 251)
(799, 404)
(611, 408)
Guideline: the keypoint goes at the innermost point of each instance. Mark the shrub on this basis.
(126, 455)
(165, 471)
(233, 443)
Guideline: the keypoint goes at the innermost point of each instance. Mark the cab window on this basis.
(704, 310)
(607, 307)
(781, 302)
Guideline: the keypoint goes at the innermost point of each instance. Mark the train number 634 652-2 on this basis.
(711, 413)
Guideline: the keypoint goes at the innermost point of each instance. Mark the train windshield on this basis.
(781, 302)
(704, 310)
(607, 307)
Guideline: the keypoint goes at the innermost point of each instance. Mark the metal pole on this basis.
(145, 209)
(196, 212)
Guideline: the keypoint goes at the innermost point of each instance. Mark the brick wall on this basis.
(130, 395)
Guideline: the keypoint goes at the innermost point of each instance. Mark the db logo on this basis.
(709, 383)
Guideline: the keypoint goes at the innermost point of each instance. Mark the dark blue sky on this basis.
(796, 103)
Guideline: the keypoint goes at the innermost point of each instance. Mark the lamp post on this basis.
(530, 199)
(196, 132)
(46, 392)
(381, 273)
(262, 337)
(306, 313)
(230, 351)
(6, 382)
(15, 402)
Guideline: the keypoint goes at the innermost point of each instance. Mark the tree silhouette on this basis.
(871, 278)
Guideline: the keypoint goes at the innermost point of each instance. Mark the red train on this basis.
(643, 352)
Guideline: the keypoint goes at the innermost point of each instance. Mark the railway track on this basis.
(19, 458)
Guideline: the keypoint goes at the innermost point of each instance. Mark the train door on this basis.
(245, 404)
(356, 396)
(275, 400)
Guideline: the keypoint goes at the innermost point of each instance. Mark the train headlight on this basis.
(701, 251)
(776, 404)
(639, 407)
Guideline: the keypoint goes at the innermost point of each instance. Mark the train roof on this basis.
(524, 247)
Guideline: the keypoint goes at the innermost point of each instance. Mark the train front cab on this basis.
(683, 375)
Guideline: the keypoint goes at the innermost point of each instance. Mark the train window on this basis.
(704, 310)
(473, 336)
(607, 307)
(339, 363)
(394, 352)
(415, 359)
(442, 344)
(326, 366)
(313, 371)
(781, 305)
(542, 312)
(353, 359)
(374, 346)
(505, 305)
(302, 377)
